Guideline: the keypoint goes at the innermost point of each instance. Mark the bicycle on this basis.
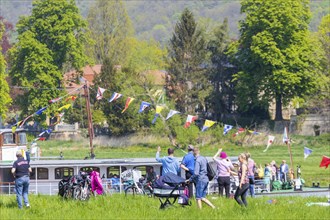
(134, 184)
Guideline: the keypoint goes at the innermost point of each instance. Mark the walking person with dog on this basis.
(188, 164)
(21, 170)
(224, 166)
(201, 179)
(240, 194)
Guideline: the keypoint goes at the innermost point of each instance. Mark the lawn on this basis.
(311, 172)
(141, 207)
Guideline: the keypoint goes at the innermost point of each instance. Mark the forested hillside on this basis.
(155, 19)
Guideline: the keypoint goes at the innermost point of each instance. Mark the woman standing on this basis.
(224, 166)
(243, 181)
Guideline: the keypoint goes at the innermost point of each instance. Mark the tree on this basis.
(5, 99)
(188, 81)
(222, 71)
(8, 29)
(50, 41)
(110, 27)
(275, 54)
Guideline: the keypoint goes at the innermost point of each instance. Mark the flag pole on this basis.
(289, 147)
(90, 122)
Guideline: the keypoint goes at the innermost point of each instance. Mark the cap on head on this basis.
(190, 148)
(170, 151)
(223, 155)
(19, 153)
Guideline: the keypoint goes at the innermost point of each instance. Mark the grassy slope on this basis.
(309, 167)
(121, 207)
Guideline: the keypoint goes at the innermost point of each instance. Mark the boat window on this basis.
(63, 172)
(8, 138)
(114, 170)
(143, 169)
(42, 173)
(90, 169)
(22, 138)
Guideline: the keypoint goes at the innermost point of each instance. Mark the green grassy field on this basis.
(311, 172)
(141, 207)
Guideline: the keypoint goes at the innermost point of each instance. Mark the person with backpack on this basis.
(224, 166)
(201, 179)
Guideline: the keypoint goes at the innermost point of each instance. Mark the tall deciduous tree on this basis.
(50, 41)
(221, 72)
(5, 99)
(110, 27)
(188, 81)
(275, 54)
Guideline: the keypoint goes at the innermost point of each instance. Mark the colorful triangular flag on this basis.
(143, 106)
(100, 92)
(269, 142)
(171, 113)
(207, 124)
(129, 100)
(190, 119)
(239, 131)
(226, 129)
(71, 98)
(40, 111)
(325, 162)
(307, 152)
(64, 107)
(115, 96)
(158, 110)
(55, 100)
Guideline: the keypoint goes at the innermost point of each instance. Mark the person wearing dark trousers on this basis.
(240, 194)
(21, 170)
(224, 166)
(188, 164)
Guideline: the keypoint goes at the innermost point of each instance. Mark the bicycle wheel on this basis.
(76, 193)
(85, 193)
(131, 190)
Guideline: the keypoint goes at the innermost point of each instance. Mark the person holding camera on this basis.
(21, 170)
(224, 166)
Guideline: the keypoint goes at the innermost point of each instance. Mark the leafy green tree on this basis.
(222, 70)
(5, 99)
(110, 27)
(188, 82)
(275, 54)
(50, 41)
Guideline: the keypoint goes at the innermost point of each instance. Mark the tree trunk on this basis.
(278, 109)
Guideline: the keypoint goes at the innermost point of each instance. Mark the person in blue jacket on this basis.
(169, 163)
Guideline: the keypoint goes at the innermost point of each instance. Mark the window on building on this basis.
(90, 169)
(143, 169)
(42, 173)
(8, 138)
(114, 170)
(63, 172)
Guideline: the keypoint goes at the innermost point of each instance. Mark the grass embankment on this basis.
(141, 207)
(311, 172)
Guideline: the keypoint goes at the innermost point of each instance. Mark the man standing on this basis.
(188, 164)
(201, 179)
(21, 170)
(284, 169)
(170, 163)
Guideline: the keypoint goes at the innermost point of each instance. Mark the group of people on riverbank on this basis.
(195, 167)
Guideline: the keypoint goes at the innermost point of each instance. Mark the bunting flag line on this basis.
(254, 132)
(171, 113)
(48, 131)
(307, 152)
(100, 92)
(115, 96)
(270, 141)
(40, 111)
(21, 123)
(71, 98)
(190, 119)
(207, 124)
(58, 118)
(64, 107)
(143, 106)
(226, 129)
(55, 100)
(285, 136)
(239, 131)
(158, 111)
(325, 162)
(129, 100)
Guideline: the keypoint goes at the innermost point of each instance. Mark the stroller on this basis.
(169, 188)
